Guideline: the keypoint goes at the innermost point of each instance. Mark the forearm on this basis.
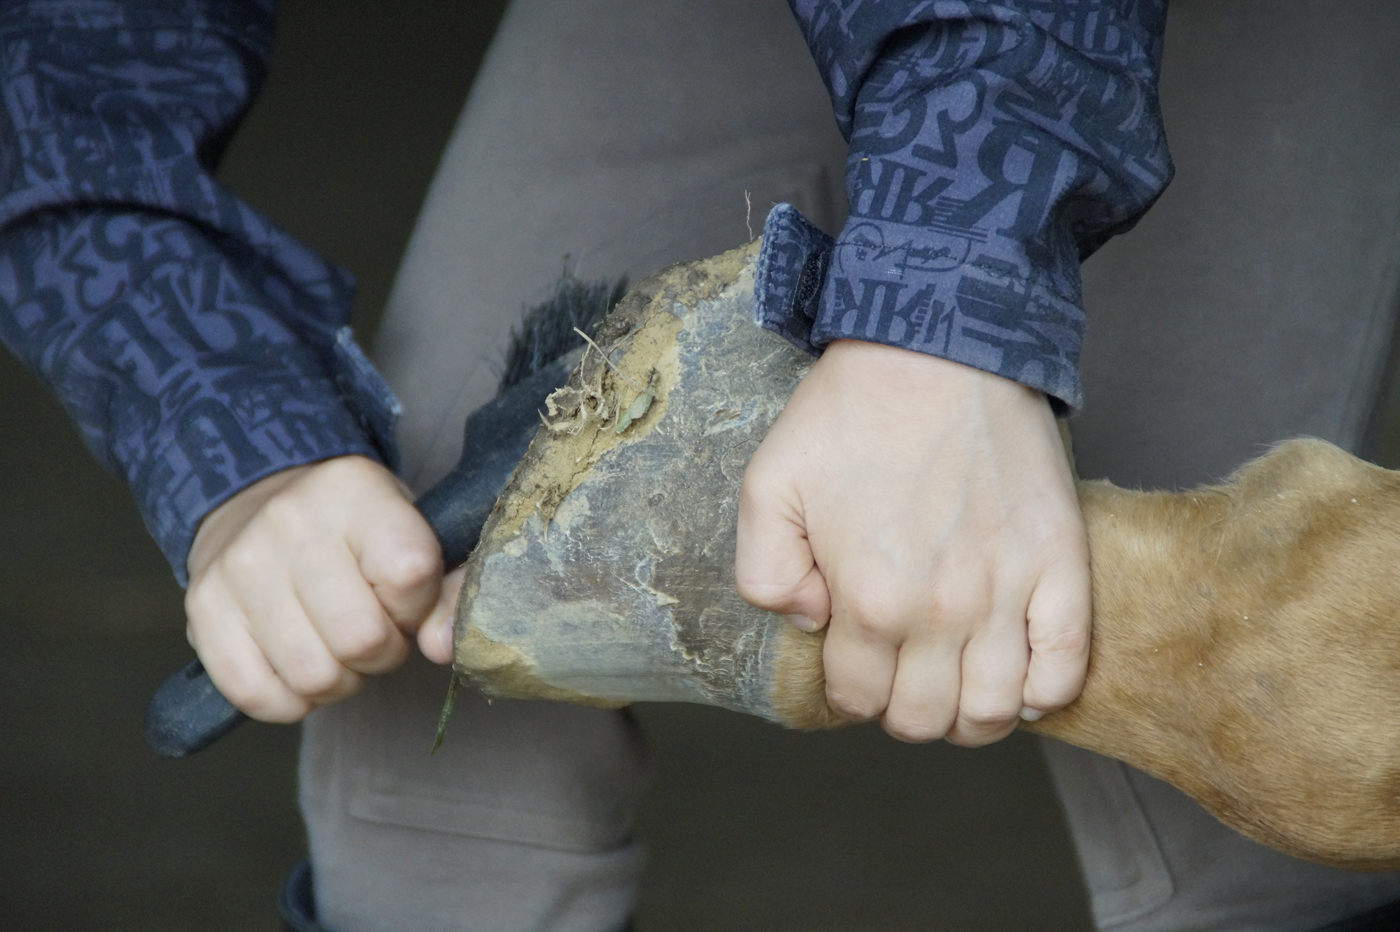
(194, 343)
(181, 377)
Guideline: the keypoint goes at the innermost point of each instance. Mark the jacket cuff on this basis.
(812, 289)
(218, 446)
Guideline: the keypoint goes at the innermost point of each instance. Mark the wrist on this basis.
(904, 373)
(354, 474)
(219, 526)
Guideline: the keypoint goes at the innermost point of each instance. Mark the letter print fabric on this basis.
(193, 342)
(199, 347)
(994, 146)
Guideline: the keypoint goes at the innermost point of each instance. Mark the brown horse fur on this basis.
(1246, 648)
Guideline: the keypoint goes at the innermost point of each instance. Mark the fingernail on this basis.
(801, 621)
(1030, 715)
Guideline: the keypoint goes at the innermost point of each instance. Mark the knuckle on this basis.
(413, 568)
(264, 698)
(1054, 696)
(764, 593)
(364, 639)
(1062, 642)
(913, 731)
(246, 690)
(874, 621)
(281, 713)
(874, 609)
(307, 676)
(854, 708)
(394, 652)
(241, 691)
(987, 713)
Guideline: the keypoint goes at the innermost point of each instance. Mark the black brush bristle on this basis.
(546, 331)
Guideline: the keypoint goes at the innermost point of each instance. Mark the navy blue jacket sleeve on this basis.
(198, 347)
(993, 147)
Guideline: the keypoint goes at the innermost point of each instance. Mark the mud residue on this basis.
(635, 351)
(635, 354)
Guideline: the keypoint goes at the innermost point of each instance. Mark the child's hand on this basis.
(927, 510)
(305, 582)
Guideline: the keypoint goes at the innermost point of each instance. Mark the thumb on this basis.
(435, 637)
(774, 565)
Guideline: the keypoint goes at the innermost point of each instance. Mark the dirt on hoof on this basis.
(607, 569)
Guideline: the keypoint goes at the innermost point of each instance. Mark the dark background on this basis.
(749, 827)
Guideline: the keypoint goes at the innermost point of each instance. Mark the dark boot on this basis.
(297, 901)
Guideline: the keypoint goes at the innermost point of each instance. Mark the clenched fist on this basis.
(926, 512)
(304, 583)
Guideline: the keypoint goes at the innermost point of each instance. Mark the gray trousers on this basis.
(1255, 302)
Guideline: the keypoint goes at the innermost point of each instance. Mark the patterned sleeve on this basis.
(994, 146)
(198, 347)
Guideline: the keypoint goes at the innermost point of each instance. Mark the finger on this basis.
(774, 565)
(218, 631)
(993, 675)
(435, 637)
(346, 612)
(280, 626)
(399, 557)
(1058, 626)
(860, 659)
(924, 700)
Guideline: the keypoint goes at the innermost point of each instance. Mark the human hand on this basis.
(309, 580)
(927, 511)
